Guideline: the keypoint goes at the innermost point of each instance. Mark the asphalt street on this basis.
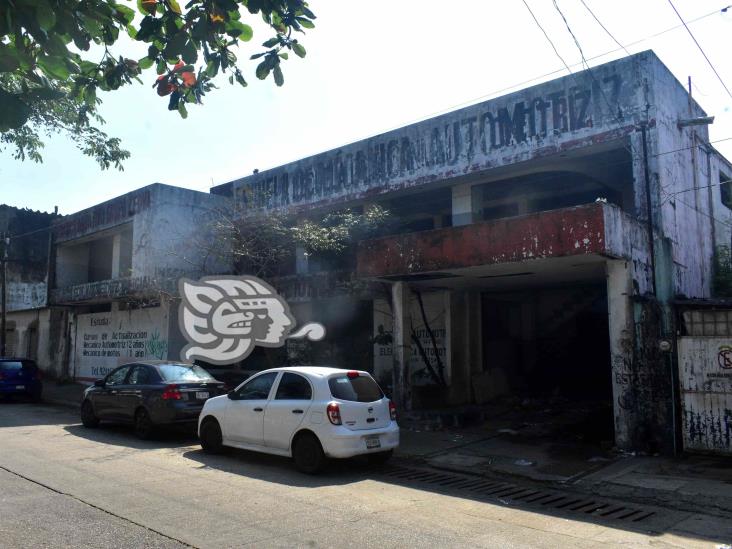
(62, 485)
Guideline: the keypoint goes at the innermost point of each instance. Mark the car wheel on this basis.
(211, 439)
(88, 417)
(379, 458)
(308, 454)
(144, 426)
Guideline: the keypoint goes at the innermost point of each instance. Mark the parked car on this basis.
(20, 376)
(148, 395)
(308, 413)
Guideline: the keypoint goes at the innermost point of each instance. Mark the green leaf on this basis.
(175, 45)
(262, 70)
(175, 6)
(147, 7)
(45, 16)
(298, 49)
(182, 109)
(161, 67)
(305, 22)
(55, 67)
(189, 53)
(212, 67)
(240, 79)
(13, 112)
(146, 63)
(279, 78)
(8, 61)
(271, 43)
(283, 55)
(127, 14)
(239, 30)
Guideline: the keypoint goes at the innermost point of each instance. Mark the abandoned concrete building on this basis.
(115, 268)
(546, 233)
(550, 246)
(30, 325)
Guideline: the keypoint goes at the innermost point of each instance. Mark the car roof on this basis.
(160, 363)
(316, 371)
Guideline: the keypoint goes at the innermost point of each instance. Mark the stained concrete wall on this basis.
(567, 113)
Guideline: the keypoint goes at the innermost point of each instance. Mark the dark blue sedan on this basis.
(20, 376)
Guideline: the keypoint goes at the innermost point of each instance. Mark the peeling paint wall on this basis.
(566, 113)
(705, 373)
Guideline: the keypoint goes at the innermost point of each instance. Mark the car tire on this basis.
(379, 458)
(211, 439)
(88, 417)
(308, 454)
(144, 427)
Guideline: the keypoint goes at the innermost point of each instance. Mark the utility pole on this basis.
(3, 290)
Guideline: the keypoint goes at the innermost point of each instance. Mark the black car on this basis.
(149, 394)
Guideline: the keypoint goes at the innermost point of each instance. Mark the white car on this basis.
(304, 412)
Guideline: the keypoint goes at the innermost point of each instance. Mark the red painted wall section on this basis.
(570, 231)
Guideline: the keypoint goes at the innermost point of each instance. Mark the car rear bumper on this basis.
(344, 443)
(176, 413)
(20, 387)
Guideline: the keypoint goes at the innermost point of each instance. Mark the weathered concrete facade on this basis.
(115, 271)
(533, 208)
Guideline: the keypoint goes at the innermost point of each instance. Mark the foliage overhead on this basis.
(57, 55)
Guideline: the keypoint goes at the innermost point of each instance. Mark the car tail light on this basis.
(171, 392)
(334, 413)
(392, 410)
(353, 374)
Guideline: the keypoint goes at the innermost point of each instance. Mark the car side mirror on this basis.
(232, 395)
(99, 383)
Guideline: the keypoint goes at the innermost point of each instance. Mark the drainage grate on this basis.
(505, 491)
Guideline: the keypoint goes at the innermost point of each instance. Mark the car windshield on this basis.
(8, 366)
(357, 389)
(184, 372)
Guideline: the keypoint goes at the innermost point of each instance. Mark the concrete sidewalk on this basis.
(63, 394)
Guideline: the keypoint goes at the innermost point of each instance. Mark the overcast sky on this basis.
(371, 66)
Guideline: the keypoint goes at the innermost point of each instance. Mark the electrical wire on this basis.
(604, 27)
(700, 48)
(547, 36)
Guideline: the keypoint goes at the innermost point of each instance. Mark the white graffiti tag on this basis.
(224, 318)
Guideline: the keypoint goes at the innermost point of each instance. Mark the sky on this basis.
(370, 67)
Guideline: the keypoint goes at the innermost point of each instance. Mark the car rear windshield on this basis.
(182, 372)
(16, 365)
(357, 389)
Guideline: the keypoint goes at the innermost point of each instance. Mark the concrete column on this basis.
(621, 322)
(301, 260)
(401, 344)
(116, 252)
(462, 205)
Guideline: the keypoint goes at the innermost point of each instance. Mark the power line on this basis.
(518, 84)
(700, 48)
(547, 36)
(604, 27)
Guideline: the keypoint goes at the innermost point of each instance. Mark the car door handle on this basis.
(297, 411)
(257, 409)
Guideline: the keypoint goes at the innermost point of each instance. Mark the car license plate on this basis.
(373, 442)
(20, 387)
(201, 395)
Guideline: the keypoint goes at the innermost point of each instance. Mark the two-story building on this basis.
(543, 236)
(115, 269)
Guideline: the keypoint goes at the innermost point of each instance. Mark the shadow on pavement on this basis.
(281, 469)
(122, 435)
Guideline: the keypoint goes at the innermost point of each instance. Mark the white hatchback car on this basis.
(306, 412)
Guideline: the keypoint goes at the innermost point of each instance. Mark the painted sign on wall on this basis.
(436, 313)
(105, 340)
(705, 371)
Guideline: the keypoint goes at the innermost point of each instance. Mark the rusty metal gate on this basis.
(705, 375)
